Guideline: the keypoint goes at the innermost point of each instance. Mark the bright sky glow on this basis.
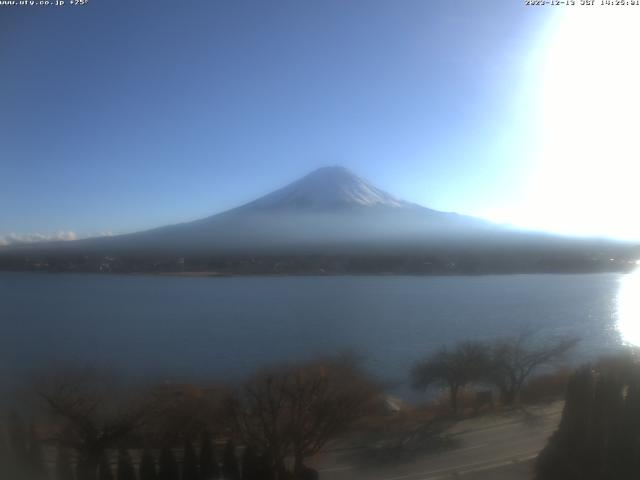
(586, 171)
(628, 308)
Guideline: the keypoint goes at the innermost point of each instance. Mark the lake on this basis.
(224, 328)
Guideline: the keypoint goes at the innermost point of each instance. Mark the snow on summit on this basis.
(327, 188)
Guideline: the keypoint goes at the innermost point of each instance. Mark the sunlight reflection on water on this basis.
(628, 308)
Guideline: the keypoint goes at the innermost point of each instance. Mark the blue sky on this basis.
(121, 115)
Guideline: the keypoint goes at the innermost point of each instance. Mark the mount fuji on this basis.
(333, 212)
(331, 209)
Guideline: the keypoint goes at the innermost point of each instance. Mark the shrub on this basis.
(546, 387)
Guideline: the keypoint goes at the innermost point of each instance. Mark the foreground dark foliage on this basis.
(208, 466)
(96, 428)
(599, 434)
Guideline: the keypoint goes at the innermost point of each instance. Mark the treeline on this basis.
(24, 457)
(100, 429)
(437, 263)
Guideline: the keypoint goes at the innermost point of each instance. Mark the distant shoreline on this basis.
(214, 274)
(364, 263)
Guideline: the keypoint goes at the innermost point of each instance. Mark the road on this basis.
(496, 447)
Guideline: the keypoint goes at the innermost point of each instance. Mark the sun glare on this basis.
(585, 180)
(628, 308)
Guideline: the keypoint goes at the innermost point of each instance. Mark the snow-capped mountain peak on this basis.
(325, 189)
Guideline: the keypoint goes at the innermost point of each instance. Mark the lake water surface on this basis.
(227, 327)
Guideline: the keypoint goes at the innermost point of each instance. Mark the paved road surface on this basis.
(495, 447)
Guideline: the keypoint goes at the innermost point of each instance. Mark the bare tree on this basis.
(261, 416)
(514, 359)
(186, 410)
(295, 411)
(92, 415)
(453, 368)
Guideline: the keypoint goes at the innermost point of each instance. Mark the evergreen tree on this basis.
(168, 469)
(126, 471)
(18, 444)
(63, 470)
(35, 455)
(599, 433)
(230, 469)
(250, 464)
(4, 455)
(264, 467)
(189, 462)
(104, 469)
(6, 460)
(630, 431)
(85, 470)
(147, 466)
(209, 468)
(80, 470)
